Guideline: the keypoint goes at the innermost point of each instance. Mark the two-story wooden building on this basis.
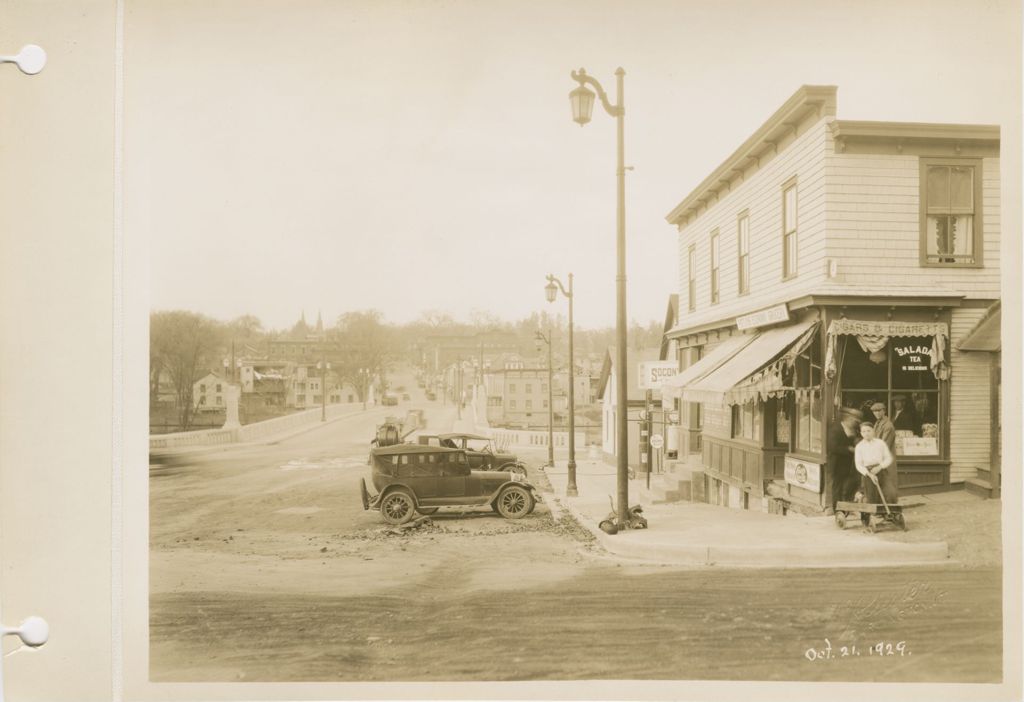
(831, 263)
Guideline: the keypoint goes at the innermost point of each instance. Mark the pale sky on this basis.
(407, 156)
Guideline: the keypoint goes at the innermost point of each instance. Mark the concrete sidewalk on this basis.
(698, 534)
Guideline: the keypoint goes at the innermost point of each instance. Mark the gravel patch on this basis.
(972, 529)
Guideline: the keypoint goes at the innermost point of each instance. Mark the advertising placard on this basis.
(653, 374)
(802, 473)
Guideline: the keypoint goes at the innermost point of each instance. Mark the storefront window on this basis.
(746, 421)
(899, 375)
(808, 405)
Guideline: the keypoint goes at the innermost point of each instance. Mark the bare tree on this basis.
(185, 344)
(365, 343)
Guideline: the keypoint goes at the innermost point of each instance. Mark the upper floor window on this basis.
(544, 387)
(714, 267)
(511, 387)
(529, 387)
(692, 277)
(743, 251)
(951, 212)
(789, 231)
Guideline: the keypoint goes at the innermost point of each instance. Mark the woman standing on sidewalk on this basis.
(872, 457)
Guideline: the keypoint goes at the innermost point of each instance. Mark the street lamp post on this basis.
(582, 101)
(551, 407)
(551, 292)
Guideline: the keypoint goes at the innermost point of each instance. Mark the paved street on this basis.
(267, 549)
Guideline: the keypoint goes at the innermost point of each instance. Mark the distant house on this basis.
(607, 385)
(208, 393)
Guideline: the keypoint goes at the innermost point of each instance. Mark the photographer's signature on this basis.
(870, 612)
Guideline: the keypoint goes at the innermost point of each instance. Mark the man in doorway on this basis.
(884, 428)
(841, 439)
(903, 416)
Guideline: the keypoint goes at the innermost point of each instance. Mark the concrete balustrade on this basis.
(248, 432)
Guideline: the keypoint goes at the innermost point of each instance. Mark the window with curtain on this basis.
(949, 193)
(808, 408)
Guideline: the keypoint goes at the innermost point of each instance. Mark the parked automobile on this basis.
(405, 396)
(479, 450)
(389, 399)
(411, 478)
(431, 395)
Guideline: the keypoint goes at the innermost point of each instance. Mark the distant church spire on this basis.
(319, 323)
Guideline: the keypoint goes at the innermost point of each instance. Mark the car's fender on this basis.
(375, 502)
(512, 466)
(520, 483)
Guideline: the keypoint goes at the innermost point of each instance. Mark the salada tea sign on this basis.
(912, 357)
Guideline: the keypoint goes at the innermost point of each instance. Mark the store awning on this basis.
(987, 334)
(747, 375)
(715, 358)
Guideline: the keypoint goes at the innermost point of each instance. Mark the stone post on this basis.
(231, 395)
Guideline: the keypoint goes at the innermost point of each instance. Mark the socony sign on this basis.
(653, 374)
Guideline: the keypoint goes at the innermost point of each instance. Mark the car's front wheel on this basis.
(518, 468)
(397, 507)
(514, 502)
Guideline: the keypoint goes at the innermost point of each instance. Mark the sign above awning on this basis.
(887, 328)
(762, 318)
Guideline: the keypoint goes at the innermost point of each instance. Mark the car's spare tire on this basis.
(514, 502)
(397, 507)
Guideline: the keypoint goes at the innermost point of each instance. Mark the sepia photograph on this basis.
(441, 391)
(559, 350)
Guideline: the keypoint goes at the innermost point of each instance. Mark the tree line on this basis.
(185, 345)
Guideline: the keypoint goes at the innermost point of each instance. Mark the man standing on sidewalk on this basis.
(841, 438)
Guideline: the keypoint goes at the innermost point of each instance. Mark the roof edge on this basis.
(822, 97)
(860, 129)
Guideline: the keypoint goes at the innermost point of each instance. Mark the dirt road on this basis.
(264, 567)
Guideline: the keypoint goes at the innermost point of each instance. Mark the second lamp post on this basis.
(551, 291)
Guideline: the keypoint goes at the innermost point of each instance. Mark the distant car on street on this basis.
(479, 450)
(389, 399)
(405, 396)
(431, 395)
(411, 478)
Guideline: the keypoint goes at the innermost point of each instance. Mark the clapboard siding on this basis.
(873, 222)
(760, 194)
(970, 408)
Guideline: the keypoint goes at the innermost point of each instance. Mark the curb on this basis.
(642, 549)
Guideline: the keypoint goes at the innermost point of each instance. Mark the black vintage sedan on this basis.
(479, 450)
(411, 478)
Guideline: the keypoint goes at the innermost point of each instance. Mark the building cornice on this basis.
(763, 144)
(830, 300)
(915, 138)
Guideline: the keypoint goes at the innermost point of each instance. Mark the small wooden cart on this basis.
(847, 512)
